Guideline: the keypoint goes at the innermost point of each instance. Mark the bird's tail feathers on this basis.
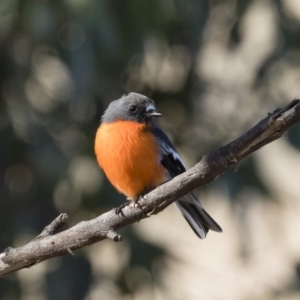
(199, 220)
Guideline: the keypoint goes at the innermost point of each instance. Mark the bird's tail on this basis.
(199, 220)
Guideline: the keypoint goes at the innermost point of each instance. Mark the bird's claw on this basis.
(119, 210)
(134, 204)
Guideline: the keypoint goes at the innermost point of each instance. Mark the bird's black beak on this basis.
(154, 114)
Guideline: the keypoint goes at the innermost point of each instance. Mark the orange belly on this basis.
(127, 152)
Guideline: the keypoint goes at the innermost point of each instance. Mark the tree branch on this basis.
(51, 244)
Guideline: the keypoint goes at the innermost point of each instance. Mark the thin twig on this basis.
(57, 224)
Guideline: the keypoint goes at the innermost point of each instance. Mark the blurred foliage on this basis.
(213, 67)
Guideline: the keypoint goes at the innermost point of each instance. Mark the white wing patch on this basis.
(166, 150)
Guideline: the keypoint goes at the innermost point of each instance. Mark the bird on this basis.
(136, 155)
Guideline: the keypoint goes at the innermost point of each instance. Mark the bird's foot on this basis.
(119, 210)
(135, 204)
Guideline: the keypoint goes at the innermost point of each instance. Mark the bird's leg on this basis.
(119, 210)
(137, 206)
(134, 202)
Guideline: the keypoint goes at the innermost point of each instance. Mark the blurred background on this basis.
(214, 68)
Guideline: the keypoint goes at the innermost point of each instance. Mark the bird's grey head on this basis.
(132, 107)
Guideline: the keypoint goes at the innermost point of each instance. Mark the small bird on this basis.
(136, 156)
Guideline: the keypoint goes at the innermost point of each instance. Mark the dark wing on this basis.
(199, 220)
(169, 156)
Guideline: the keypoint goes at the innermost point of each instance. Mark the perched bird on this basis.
(136, 156)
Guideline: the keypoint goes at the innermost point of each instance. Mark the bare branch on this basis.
(50, 243)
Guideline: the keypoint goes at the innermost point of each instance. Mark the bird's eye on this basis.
(133, 108)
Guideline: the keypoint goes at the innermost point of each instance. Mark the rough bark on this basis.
(50, 243)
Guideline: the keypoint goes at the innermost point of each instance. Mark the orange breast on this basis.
(127, 152)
